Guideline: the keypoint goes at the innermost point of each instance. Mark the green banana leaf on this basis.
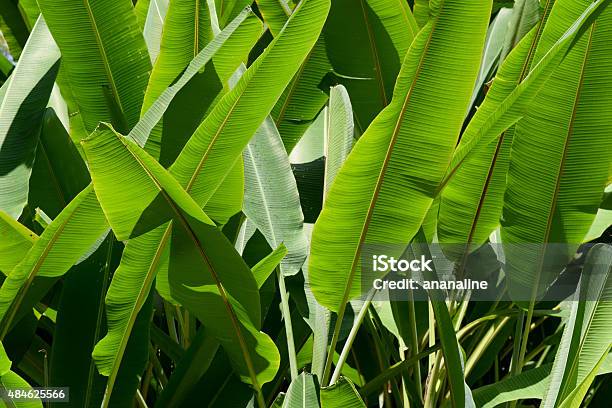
(106, 62)
(302, 99)
(147, 255)
(367, 54)
(421, 12)
(141, 9)
(338, 138)
(220, 139)
(549, 160)
(198, 357)
(302, 392)
(264, 268)
(471, 203)
(586, 337)
(82, 308)
(463, 222)
(271, 199)
(525, 15)
(339, 134)
(513, 107)
(13, 27)
(227, 10)
(225, 298)
(384, 189)
(574, 399)
(180, 44)
(71, 234)
(21, 115)
(529, 384)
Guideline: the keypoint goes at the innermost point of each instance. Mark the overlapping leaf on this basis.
(387, 184)
(225, 297)
(586, 337)
(560, 154)
(271, 198)
(106, 62)
(21, 112)
(71, 234)
(220, 139)
(147, 254)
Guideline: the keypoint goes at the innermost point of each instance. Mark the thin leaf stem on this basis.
(414, 343)
(351, 337)
(288, 326)
(332, 347)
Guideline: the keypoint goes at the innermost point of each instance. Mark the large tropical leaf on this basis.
(586, 337)
(220, 139)
(529, 384)
(246, 95)
(492, 51)
(145, 255)
(525, 15)
(421, 11)
(70, 235)
(560, 155)
(365, 56)
(502, 116)
(21, 113)
(227, 10)
(206, 275)
(81, 309)
(199, 356)
(106, 62)
(471, 203)
(338, 143)
(387, 183)
(182, 41)
(271, 197)
(339, 133)
(303, 98)
(240, 35)
(13, 27)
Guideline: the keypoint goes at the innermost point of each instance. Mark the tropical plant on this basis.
(190, 192)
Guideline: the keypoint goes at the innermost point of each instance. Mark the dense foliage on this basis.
(188, 189)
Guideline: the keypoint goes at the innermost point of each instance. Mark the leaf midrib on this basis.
(560, 174)
(387, 160)
(135, 309)
(105, 60)
(203, 255)
(262, 193)
(375, 57)
(524, 71)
